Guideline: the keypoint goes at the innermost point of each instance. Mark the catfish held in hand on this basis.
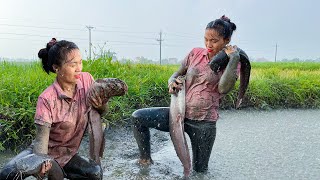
(220, 61)
(103, 90)
(176, 126)
(29, 165)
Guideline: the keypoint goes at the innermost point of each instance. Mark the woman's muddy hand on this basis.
(45, 167)
(230, 49)
(175, 86)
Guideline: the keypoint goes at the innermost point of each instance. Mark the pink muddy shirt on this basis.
(65, 116)
(202, 95)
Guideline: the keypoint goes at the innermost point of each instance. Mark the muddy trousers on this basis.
(77, 168)
(201, 133)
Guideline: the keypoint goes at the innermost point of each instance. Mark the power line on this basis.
(132, 42)
(181, 35)
(36, 35)
(97, 30)
(113, 41)
(40, 27)
(19, 39)
(131, 36)
(64, 24)
(72, 29)
(126, 32)
(81, 39)
(25, 34)
(118, 41)
(32, 19)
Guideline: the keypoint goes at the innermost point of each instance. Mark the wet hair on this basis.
(223, 26)
(55, 53)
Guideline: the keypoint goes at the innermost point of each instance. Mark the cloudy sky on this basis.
(131, 27)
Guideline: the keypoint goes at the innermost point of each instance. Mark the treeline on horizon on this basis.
(272, 85)
(143, 60)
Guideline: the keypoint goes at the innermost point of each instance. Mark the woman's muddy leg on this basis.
(82, 168)
(9, 171)
(143, 119)
(202, 135)
(142, 136)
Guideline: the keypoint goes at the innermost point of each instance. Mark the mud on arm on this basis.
(229, 76)
(181, 71)
(174, 83)
(42, 139)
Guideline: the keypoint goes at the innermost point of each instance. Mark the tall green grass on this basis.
(272, 85)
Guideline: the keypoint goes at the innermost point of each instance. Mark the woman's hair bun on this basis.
(225, 18)
(51, 43)
(43, 53)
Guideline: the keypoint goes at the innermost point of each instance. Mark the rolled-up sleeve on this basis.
(43, 114)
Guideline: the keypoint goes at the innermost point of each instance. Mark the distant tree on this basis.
(309, 60)
(295, 60)
(102, 52)
(144, 60)
(125, 60)
(165, 61)
(169, 61)
(261, 59)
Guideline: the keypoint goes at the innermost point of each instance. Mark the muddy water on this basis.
(277, 144)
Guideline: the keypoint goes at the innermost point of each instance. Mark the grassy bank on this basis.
(272, 85)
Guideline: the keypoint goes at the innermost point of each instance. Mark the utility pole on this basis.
(275, 55)
(90, 44)
(160, 40)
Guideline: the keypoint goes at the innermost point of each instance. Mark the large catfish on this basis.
(176, 127)
(30, 164)
(105, 88)
(220, 61)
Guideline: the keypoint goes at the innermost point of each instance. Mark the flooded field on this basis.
(250, 144)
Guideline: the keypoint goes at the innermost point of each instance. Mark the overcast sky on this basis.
(131, 27)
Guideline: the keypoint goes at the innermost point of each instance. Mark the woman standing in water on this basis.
(204, 89)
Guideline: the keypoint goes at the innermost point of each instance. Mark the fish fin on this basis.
(245, 71)
(238, 103)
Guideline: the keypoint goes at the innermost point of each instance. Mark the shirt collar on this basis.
(204, 52)
(60, 92)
